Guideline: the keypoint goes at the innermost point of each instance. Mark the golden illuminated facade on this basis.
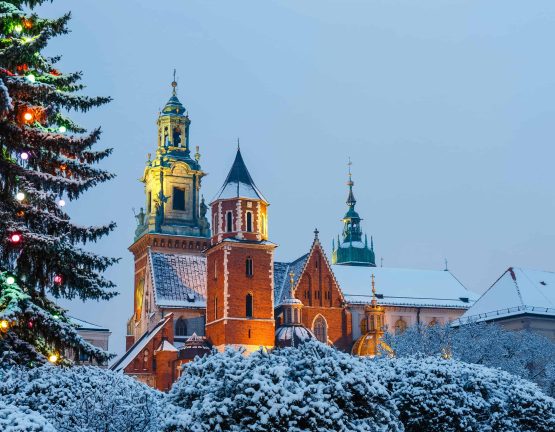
(371, 328)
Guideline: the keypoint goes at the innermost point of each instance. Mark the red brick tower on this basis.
(239, 264)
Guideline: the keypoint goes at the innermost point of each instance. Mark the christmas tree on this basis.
(45, 159)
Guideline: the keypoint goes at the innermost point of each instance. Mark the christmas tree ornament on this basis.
(24, 156)
(53, 358)
(30, 324)
(20, 196)
(20, 213)
(27, 23)
(4, 324)
(10, 280)
(58, 279)
(15, 238)
(63, 167)
(61, 203)
(18, 28)
(31, 78)
(28, 116)
(62, 129)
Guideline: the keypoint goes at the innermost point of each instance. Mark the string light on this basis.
(58, 280)
(18, 28)
(62, 129)
(28, 116)
(10, 280)
(61, 203)
(24, 155)
(20, 213)
(53, 358)
(15, 238)
(4, 324)
(27, 23)
(31, 78)
(20, 196)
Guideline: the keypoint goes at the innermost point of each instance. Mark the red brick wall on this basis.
(319, 293)
(220, 208)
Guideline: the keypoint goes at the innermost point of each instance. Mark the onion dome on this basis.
(194, 346)
(173, 105)
(292, 335)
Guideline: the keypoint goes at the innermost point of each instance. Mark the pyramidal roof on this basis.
(516, 292)
(239, 183)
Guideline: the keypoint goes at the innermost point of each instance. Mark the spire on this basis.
(373, 290)
(316, 232)
(239, 183)
(351, 201)
(174, 85)
(173, 107)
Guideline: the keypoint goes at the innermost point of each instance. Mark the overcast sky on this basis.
(445, 107)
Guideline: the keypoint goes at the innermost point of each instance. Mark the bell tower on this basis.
(173, 219)
(239, 266)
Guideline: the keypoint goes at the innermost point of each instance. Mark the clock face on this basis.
(139, 294)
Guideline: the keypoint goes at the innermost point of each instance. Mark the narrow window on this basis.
(320, 329)
(215, 224)
(149, 203)
(178, 199)
(249, 221)
(249, 306)
(215, 308)
(181, 327)
(215, 269)
(248, 267)
(229, 222)
(249, 333)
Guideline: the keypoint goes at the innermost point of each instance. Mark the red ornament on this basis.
(27, 23)
(58, 279)
(30, 324)
(55, 72)
(22, 67)
(15, 238)
(20, 213)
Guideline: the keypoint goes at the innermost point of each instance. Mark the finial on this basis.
(174, 84)
(373, 288)
(316, 232)
(292, 280)
(446, 267)
(238, 145)
(349, 164)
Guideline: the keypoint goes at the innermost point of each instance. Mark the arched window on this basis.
(181, 327)
(248, 306)
(363, 326)
(215, 308)
(249, 221)
(215, 269)
(320, 329)
(309, 283)
(215, 224)
(248, 267)
(229, 221)
(400, 325)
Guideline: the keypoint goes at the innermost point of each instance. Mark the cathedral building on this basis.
(198, 287)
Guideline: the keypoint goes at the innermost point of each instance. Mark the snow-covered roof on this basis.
(179, 280)
(403, 287)
(138, 346)
(239, 183)
(516, 292)
(166, 346)
(282, 282)
(85, 325)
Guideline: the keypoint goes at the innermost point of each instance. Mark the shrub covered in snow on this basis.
(434, 394)
(15, 419)
(312, 388)
(81, 398)
(523, 353)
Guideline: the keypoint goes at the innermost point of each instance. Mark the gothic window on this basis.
(249, 221)
(320, 329)
(181, 327)
(215, 308)
(229, 221)
(248, 306)
(248, 267)
(309, 283)
(178, 199)
(400, 325)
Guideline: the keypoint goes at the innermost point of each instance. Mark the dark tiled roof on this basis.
(179, 280)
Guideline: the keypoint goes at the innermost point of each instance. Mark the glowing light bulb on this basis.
(61, 203)
(18, 28)
(28, 116)
(24, 155)
(53, 358)
(15, 238)
(31, 78)
(58, 280)
(10, 280)
(20, 196)
(4, 324)
(62, 129)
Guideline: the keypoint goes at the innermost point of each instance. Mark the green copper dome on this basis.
(351, 250)
(173, 107)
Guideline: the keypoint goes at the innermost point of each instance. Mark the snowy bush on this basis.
(81, 399)
(522, 353)
(434, 394)
(311, 388)
(15, 419)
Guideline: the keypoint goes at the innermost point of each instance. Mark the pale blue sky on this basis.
(445, 107)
